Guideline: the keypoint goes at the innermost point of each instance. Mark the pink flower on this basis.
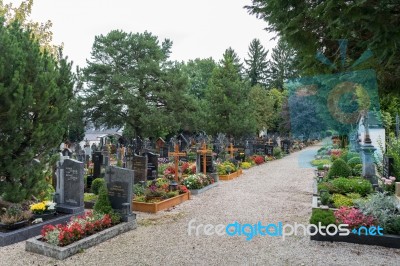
(392, 178)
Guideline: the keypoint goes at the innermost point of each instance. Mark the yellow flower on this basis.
(38, 207)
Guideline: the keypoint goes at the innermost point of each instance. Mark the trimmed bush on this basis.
(352, 185)
(357, 170)
(103, 204)
(277, 152)
(340, 200)
(339, 168)
(354, 161)
(97, 184)
(326, 198)
(328, 187)
(351, 155)
(325, 217)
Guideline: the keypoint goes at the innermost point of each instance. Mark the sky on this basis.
(197, 28)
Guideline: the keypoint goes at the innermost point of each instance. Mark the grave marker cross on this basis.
(231, 150)
(176, 154)
(204, 152)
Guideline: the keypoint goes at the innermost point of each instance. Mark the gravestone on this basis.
(164, 152)
(70, 186)
(285, 146)
(398, 190)
(97, 161)
(269, 150)
(152, 165)
(119, 183)
(240, 155)
(259, 149)
(183, 142)
(209, 163)
(139, 164)
(388, 166)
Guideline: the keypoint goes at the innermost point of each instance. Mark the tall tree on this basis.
(35, 90)
(257, 63)
(228, 107)
(41, 32)
(199, 72)
(282, 65)
(262, 108)
(131, 84)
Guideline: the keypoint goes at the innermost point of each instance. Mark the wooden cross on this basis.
(231, 150)
(204, 152)
(176, 154)
(269, 142)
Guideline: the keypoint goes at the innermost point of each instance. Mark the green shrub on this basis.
(354, 161)
(325, 217)
(171, 194)
(326, 198)
(352, 185)
(340, 200)
(103, 204)
(351, 155)
(97, 184)
(339, 168)
(277, 152)
(328, 187)
(353, 196)
(138, 190)
(357, 170)
(344, 154)
(393, 226)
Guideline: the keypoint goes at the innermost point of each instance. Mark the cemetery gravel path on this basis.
(279, 191)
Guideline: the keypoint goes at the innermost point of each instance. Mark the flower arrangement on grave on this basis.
(43, 207)
(158, 190)
(258, 159)
(388, 184)
(78, 228)
(354, 218)
(245, 165)
(188, 168)
(14, 214)
(169, 172)
(226, 168)
(198, 181)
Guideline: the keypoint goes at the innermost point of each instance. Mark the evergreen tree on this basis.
(35, 92)
(262, 108)
(228, 107)
(282, 65)
(198, 72)
(257, 63)
(103, 204)
(131, 84)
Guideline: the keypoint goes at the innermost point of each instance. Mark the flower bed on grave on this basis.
(341, 198)
(199, 183)
(18, 224)
(228, 171)
(158, 195)
(82, 232)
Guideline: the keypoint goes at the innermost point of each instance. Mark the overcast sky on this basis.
(198, 28)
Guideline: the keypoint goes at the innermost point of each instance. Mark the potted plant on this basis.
(44, 209)
(14, 217)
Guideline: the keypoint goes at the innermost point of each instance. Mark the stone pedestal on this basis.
(367, 156)
(398, 190)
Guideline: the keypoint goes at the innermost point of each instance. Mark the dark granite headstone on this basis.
(140, 167)
(209, 163)
(388, 166)
(70, 186)
(259, 149)
(285, 146)
(152, 165)
(97, 161)
(269, 150)
(119, 185)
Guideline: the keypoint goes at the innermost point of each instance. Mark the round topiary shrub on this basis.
(103, 204)
(325, 217)
(96, 185)
(277, 152)
(339, 168)
(351, 155)
(357, 170)
(354, 161)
